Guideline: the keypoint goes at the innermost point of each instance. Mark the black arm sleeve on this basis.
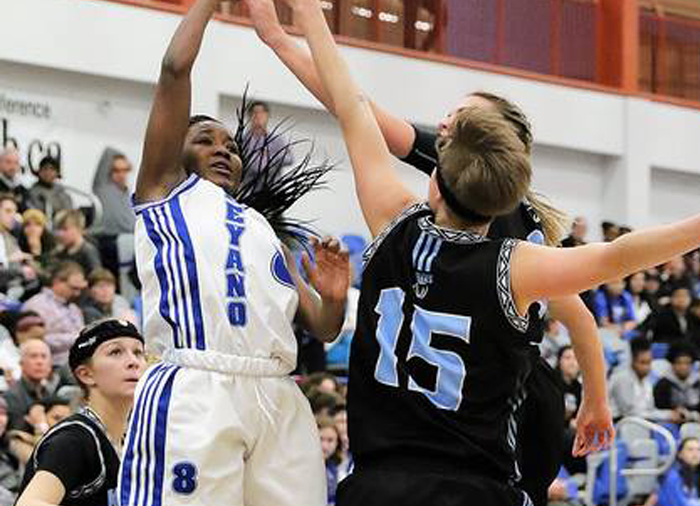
(423, 155)
(71, 455)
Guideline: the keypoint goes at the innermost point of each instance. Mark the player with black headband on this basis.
(76, 463)
(441, 350)
(540, 434)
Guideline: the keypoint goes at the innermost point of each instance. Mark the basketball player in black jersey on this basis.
(540, 433)
(441, 352)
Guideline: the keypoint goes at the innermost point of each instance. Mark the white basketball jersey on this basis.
(214, 276)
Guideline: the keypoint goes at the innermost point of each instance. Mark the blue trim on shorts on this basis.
(127, 464)
(160, 438)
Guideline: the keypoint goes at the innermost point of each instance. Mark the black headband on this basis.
(94, 335)
(454, 204)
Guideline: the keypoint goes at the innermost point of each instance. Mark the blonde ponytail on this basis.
(555, 222)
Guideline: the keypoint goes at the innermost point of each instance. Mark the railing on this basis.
(588, 43)
(669, 62)
(556, 37)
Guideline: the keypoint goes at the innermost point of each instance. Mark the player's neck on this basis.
(446, 219)
(112, 413)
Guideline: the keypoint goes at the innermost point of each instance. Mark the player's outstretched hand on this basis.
(594, 428)
(265, 21)
(330, 276)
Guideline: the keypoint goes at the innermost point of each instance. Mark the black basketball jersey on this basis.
(78, 453)
(522, 223)
(440, 355)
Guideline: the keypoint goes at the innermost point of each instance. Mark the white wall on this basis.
(96, 63)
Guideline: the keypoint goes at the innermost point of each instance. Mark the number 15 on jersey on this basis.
(447, 391)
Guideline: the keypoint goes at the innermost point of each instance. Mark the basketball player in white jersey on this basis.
(218, 421)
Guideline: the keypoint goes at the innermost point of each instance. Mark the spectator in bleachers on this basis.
(568, 370)
(56, 306)
(631, 390)
(322, 381)
(614, 307)
(324, 403)
(680, 388)
(692, 265)
(35, 238)
(330, 446)
(47, 194)
(23, 327)
(610, 231)
(10, 177)
(652, 283)
(555, 338)
(72, 245)
(111, 185)
(37, 384)
(694, 321)
(102, 301)
(672, 323)
(642, 302)
(261, 145)
(340, 418)
(577, 237)
(10, 476)
(674, 274)
(679, 487)
(49, 413)
(16, 273)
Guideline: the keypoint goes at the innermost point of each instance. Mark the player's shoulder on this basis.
(408, 215)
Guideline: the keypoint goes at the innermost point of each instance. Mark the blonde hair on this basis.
(68, 217)
(34, 216)
(555, 222)
(484, 163)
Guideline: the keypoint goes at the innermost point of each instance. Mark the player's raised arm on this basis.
(381, 194)
(573, 270)
(398, 133)
(161, 167)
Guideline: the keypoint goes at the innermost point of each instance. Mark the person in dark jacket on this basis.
(680, 388)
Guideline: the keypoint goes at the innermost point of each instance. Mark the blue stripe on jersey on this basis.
(430, 242)
(433, 253)
(180, 289)
(191, 265)
(164, 306)
(417, 248)
(142, 472)
(176, 192)
(127, 465)
(161, 424)
(176, 290)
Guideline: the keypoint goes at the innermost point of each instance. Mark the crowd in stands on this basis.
(649, 325)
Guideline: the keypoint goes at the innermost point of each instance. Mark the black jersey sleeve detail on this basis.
(423, 155)
(503, 286)
(406, 213)
(81, 474)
